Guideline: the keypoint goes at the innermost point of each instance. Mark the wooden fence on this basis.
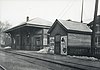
(83, 51)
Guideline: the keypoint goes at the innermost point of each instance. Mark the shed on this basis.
(31, 35)
(69, 37)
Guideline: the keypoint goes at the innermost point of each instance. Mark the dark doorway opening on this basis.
(57, 48)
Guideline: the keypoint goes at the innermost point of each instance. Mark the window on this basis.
(98, 40)
(37, 42)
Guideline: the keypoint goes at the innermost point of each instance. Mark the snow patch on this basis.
(44, 50)
(8, 47)
(84, 57)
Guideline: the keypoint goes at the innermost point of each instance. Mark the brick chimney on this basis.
(27, 18)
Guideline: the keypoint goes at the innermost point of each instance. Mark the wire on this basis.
(67, 10)
(66, 7)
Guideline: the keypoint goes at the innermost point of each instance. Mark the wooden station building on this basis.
(31, 35)
(70, 37)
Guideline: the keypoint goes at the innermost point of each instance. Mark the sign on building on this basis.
(64, 45)
(52, 44)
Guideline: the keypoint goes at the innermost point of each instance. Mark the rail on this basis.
(2, 68)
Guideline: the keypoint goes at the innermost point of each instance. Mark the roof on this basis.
(39, 21)
(36, 22)
(72, 25)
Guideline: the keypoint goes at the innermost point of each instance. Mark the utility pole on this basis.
(94, 28)
(82, 11)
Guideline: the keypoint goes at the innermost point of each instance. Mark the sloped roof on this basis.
(36, 22)
(39, 21)
(73, 25)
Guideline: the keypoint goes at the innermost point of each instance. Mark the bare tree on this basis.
(3, 36)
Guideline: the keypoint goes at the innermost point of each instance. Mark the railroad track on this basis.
(37, 62)
(2, 68)
(79, 68)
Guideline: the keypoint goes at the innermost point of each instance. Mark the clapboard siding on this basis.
(79, 40)
(58, 30)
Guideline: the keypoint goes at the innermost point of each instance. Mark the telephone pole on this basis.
(82, 11)
(93, 46)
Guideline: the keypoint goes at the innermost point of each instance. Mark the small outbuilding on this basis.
(31, 35)
(70, 37)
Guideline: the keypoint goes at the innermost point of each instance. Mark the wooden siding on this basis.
(36, 42)
(29, 38)
(58, 30)
(79, 40)
(80, 51)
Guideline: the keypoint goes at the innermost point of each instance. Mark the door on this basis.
(17, 42)
(37, 43)
(57, 44)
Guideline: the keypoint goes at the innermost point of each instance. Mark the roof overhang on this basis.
(79, 32)
(69, 30)
(26, 25)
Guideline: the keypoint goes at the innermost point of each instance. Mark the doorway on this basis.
(57, 44)
(37, 43)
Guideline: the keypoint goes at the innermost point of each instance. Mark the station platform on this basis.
(67, 60)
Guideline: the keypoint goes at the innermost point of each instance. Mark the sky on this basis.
(16, 11)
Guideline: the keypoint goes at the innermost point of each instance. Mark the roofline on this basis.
(70, 31)
(50, 29)
(40, 18)
(79, 32)
(16, 27)
(72, 21)
(28, 25)
(38, 25)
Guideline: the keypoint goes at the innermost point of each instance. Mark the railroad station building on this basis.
(70, 37)
(30, 35)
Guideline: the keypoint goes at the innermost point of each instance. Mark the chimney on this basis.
(27, 18)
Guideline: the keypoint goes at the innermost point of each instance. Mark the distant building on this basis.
(70, 37)
(31, 35)
(97, 39)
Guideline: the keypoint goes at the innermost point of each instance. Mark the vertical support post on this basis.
(94, 29)
(42, 38)
(82, 11)
(12, 41)
(20, 40)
